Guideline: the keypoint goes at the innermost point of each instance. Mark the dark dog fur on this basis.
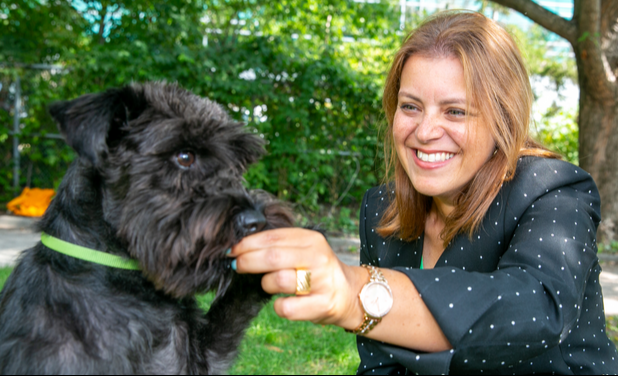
(130, 193)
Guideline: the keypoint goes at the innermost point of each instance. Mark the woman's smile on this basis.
(432, 159)
(440, 145)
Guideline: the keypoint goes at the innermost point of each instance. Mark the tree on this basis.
(305, 75)
(33, 32)
(593, 34)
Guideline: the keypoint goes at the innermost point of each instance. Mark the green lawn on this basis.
(4, 274)
(277, 346)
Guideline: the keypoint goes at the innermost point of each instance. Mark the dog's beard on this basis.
(181, 244)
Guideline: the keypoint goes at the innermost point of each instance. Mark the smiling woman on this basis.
(438, 144)
(480, 256)
(471, 73)
(430, 124)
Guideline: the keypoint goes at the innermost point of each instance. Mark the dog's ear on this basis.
(248, 148)
(92, 122)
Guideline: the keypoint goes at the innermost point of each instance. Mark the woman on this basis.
(481, 254)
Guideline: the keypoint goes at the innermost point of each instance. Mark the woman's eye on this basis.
(185, 159)
(408, 107)
(457, 112)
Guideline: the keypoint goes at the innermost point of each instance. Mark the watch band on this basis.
(366, 326)
(369, 322)
(375, 275)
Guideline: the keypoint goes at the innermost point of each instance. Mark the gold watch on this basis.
(376, 299)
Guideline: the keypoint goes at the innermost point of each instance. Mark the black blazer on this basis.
(521, 296)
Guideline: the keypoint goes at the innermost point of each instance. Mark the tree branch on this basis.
(590, 48)
(103, 14)
(609, 34)
(543, 17)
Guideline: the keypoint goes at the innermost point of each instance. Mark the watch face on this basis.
(377, 299)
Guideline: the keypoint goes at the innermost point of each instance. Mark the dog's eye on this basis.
(185, 159)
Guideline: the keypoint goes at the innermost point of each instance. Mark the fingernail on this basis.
(228, 251)
(234, 265)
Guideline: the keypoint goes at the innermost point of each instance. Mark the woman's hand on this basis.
(334, 288)
(334, 285)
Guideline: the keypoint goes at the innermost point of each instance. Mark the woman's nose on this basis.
(429, 128)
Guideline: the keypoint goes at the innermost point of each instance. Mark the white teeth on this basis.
(431, 158)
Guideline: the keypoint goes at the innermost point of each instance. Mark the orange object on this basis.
(32, 202)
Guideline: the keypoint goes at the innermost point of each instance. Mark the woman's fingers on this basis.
(283, 237)
(303, 308)
(281, 249)
(278, 254)
(280, 282)
(272, 259)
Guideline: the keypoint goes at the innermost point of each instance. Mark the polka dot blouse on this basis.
(521, 297)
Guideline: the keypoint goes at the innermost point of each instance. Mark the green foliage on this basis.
(612, 329)
(344, 221)
(611, 248)
(43, 160)
(533, 45)
(557, 129)
(559, 132)
(303, 75)
(37, 32)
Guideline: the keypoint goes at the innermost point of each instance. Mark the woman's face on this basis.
(438, 150)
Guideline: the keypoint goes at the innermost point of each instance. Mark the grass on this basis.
(4, 274)
(277, 346)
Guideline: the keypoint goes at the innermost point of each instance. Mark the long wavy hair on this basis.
(497, 84)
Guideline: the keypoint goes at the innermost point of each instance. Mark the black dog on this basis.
(158, 178)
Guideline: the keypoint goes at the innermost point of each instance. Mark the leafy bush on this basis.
(558, 131)
(314, 100)
(305, 75)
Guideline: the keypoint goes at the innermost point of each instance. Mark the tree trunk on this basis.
(103, 15)
(598, 154)
(593, 34)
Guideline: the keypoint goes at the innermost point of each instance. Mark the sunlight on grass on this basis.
(4, 274)
(277, 346)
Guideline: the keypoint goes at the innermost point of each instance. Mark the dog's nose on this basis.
(251, 221)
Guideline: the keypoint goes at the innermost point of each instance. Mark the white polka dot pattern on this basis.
(521, 297)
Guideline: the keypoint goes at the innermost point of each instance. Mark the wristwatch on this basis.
(376, 299)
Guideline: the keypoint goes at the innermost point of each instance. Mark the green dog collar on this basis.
(87, 254)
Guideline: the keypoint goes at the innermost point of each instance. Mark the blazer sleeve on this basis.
(379, 358)
(533, 299)
(373, 357)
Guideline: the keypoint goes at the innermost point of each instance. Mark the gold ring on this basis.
(303, 282)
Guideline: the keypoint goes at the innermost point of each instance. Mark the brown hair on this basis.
(497, 84)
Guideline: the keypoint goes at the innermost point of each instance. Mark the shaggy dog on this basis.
(158, 179)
